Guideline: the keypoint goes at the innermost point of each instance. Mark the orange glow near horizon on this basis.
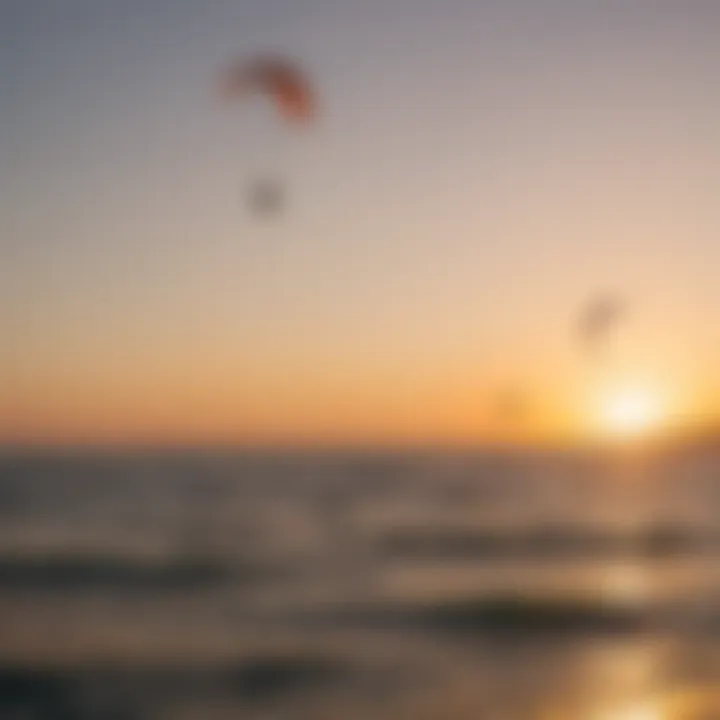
(264, 409)
(312, 397)
(306, 411)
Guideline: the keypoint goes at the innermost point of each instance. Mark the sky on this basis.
(477, 172)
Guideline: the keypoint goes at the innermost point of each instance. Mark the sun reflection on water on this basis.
(627, 585)
(627, 680)
(643, 710)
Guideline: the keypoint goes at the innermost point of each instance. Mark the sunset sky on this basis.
(479, 170)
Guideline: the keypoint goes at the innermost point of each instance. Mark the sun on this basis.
(630, 412)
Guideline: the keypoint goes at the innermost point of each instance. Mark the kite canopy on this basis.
(597, 319)
(510, 404)
(266, 198)
(285, 83)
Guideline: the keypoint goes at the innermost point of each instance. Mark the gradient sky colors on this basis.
(479, 170)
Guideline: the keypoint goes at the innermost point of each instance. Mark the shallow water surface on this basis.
(400, 586)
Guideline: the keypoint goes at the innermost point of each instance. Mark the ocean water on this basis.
(203, 585)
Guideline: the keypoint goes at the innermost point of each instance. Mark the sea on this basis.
(413, 585)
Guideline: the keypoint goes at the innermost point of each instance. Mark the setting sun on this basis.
(630, 412)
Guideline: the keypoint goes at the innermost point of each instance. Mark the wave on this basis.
(79, 571)
(548, 542)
